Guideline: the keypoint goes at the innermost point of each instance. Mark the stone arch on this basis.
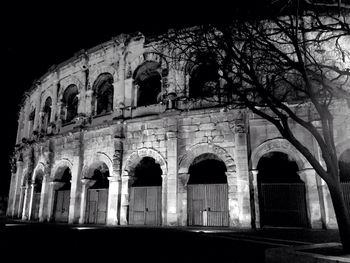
(98, 157)
(203, 148)
(148, 56)
(278, 145)
(59, 164)
(100, 70)
(40, 166)
(342, 147)
(65, 83)
(136, 157)
(44, 96)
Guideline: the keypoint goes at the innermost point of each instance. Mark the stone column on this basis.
(242, 176)
(124, 206)
(43, 209)
(54, 186)
(113, 200)
(26, 202)
(256, 198)
(31, 200)
(75, 192)
(308, 176)
(182, 199)
(171, 180)
(17, 189)
(86, 184)
(233, 204)
(330, 218)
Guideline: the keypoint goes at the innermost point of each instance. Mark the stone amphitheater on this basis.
(110, 136)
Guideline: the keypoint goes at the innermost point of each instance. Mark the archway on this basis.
(207, 192)
(97, 194)
(148, 81)
(62, 194)
(145, 186)
(344, 174)
(39, 175)
(102, 100)
(281, 192)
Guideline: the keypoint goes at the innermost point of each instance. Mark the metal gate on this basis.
(62, 205)
(346, 193)
(145, 205)
(36, 206)
(283, 204)
(207, 205)
(96, 207)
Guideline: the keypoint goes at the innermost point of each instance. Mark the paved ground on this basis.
(46, 242)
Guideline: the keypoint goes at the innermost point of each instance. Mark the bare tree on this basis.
(277, 65)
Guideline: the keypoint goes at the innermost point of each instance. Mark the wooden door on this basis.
(36, 206)
(62, 205)
(96, 207)
(145, 205)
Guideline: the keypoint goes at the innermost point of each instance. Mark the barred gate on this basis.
(346, 193)
(283, 204)
(207, 205)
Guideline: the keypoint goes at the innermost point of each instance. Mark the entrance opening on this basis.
(36, 195)
(62, 195)
(344, 174)
(97, 196)
(281, 192)
(146, 193)
(207, 192)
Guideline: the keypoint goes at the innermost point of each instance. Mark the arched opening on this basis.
(46, 118)
(344, 174)
(97, 195)
(148, 83)
(207, 192)
(344, 166)
(102, 100)
(282, 198)
(69, 104)
(37, 194)
(145, 193)
(204, 77)
(31, 122)
(62, 194)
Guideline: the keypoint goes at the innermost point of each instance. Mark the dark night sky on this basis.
(37, 36)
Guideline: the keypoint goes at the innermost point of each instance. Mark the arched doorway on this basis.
(37, 195)
(62, 194)
(207, 192)
(344, 174)
(97, 195)
(281, 192)
(145, 193)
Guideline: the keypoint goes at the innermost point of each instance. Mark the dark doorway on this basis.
(146, 193)
(149, 82)
(62, 195)
(344, 174)
(97, 196)
(207, 192)
(281, 192)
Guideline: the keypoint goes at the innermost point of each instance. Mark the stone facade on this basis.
(174, 134)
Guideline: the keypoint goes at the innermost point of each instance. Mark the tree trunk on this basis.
(342, 214)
